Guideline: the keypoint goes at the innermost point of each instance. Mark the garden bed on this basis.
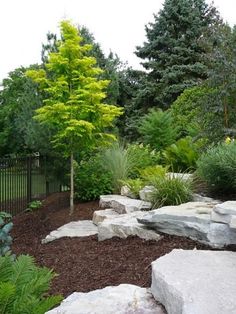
(84, 264)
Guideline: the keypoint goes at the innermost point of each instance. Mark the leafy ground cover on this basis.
(84, 264)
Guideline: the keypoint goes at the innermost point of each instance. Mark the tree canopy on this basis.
(74, 106)
(175, 50)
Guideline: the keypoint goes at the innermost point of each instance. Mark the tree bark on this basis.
(71, 184)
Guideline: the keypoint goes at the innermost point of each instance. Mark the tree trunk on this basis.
(71, 184)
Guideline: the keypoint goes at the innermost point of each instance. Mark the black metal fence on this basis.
(24, 179)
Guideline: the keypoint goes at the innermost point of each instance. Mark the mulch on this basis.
(84, 264)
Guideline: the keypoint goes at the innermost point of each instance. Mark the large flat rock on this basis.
(191, 220)
(123, 204)
(82, 228)
(195, 282)
(124, 226)
(123, 299)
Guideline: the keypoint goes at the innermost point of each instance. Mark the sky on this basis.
(118, 25)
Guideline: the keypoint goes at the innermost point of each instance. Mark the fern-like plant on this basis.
(23, 286)
(157, 129)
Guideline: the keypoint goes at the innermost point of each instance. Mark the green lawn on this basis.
(14, 185)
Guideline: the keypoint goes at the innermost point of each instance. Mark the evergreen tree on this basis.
(174, 54)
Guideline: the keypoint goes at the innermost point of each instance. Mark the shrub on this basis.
(141, 156)
(182, 155)
(91, 180)
(170, 191)
(150, 174)
(23, 286)
(157, 130)
(5, 228)
(125, 162)
(218, 168)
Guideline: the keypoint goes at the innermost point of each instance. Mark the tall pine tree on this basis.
(174, 54)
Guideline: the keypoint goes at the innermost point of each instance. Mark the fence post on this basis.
(29, 179)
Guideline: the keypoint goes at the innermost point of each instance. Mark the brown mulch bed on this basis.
(84, 264)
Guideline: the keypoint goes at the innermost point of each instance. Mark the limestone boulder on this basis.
(82, 228)
(124, 226)
(125, 191)
(195, 282)
(146, 193)
(199, 198)
(129, 299)
(100, 215)
(191, 220)
(123, 204)
(225, 213)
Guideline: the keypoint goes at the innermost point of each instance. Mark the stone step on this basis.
(195, 282)
(124, 226)
(110, 300)
(82, 228)
(123, 204)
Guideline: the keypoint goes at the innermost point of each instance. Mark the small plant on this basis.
(170, 191)
(34, 205)
(135, 185)
(150, 174)
(5, 228)
(23, 286)
(218, 168)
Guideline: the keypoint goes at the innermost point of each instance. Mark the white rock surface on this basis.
(125, 191)
(195, 282)
(200, 198)
(225, 213)
(146, 193)
(122, 204)
(124, 226)
(82, 228)
(100, 215)
(123, 299)
(191, 220)
(191, 211)
(226, 208)
(183, 176)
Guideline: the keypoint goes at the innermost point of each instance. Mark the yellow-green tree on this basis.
(74, 105)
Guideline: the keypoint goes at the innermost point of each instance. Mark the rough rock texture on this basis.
(123, 204)
(124, 226)
(195, 282)
(125, 191)
(224, 213)
(200, 198)
(195, 212)
(122, 299)
(83, 228)
(190, 219)
(100, 215)
(146, 193)
(226, 208)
